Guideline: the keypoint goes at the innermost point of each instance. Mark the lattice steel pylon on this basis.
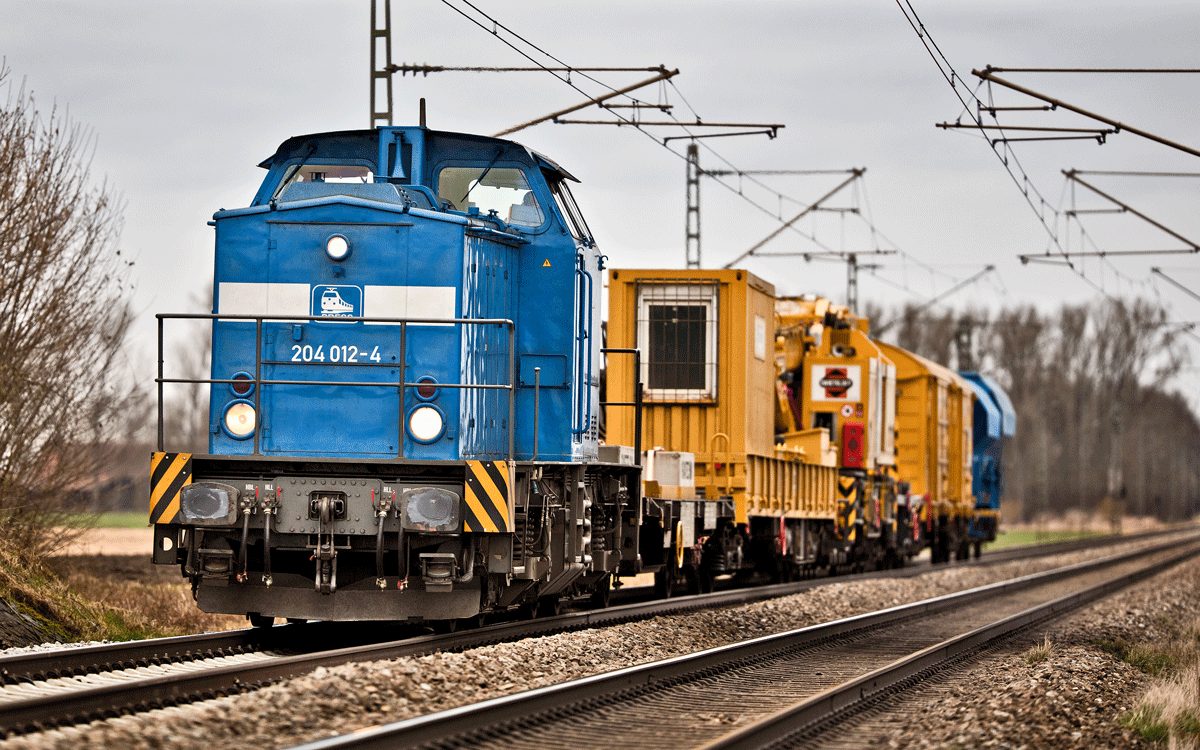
(379, 73)
(693, 206)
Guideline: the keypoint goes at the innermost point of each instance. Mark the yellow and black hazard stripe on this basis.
(846, 486)
(849, 517)
(169, 472)
(487, 497)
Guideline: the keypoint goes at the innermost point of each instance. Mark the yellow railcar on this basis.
(708, 369)
(934, 411)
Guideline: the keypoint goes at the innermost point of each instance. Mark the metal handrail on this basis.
(258, 380)
(636, 403)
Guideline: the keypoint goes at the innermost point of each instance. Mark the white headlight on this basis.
(425, 423)
(239, 419)
(337, 247)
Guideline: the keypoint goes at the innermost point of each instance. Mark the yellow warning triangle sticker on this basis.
(546, 264)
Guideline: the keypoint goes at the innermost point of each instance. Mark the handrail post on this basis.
(512, 388)
(258, 421)
(160, 383)
(637, 407)
(537, 392)
(403, 380)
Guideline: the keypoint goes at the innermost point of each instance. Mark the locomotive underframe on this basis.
(357, 559)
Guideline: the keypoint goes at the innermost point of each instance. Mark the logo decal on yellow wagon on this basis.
(487, 497)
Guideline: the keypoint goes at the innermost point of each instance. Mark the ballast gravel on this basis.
(1071, 699)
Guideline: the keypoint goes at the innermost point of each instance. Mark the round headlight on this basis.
(337, 247)
(426, 424)
(239, 419)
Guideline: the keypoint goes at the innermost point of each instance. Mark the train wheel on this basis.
(664, 582)
(259, 621)
(527, 611)
(550, 606)
(699, 580)
(603, 593)
(471, 623)
(787, 572)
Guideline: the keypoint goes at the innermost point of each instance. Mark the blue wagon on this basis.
(995, 421)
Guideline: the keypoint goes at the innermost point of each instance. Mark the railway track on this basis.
(778, 690)
(68, 686)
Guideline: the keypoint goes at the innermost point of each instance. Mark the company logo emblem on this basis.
(336, 301)
(836, 382)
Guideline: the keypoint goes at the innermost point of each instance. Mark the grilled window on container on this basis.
(677, 349)
(677, 330)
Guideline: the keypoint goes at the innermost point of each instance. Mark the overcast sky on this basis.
(186, 98)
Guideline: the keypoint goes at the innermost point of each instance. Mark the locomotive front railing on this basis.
(403, 385)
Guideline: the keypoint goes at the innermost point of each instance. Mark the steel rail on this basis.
(454, 727)
(82, 660)
(843, 698)
(67, 707)
(68, 662)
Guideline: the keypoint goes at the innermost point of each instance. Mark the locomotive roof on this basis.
(297, 145)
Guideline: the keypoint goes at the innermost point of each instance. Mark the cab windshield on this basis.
(338, 173)
(504, 190)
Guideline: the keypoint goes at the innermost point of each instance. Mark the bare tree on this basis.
(63, 318)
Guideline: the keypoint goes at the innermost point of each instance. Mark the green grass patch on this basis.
(1157, 661)
(1147, 721)
(124, 520)
(1186, 725)
(1019, 537)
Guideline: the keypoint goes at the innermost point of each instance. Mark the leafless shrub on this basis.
(63, 318)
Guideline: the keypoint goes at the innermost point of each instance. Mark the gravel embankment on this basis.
(1039, 702)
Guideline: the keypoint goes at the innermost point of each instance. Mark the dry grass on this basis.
(61, 613)
(159, 594)
(1170, 710)
(1039, 652)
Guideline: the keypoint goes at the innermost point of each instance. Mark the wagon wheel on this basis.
(603, 593)
(550, 606)
(664, 581)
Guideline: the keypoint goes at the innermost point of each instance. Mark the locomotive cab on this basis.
(404, 390)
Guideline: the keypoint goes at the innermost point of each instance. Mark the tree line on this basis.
(1101, 426)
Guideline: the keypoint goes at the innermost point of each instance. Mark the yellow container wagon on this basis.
(707, 343)
(934, 408)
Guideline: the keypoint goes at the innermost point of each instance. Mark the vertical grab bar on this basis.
(537, 392)
(584, 408)
(258, 420)
(512, 393)
(160, 381)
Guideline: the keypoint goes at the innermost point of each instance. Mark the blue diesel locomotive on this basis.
(404, 398)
